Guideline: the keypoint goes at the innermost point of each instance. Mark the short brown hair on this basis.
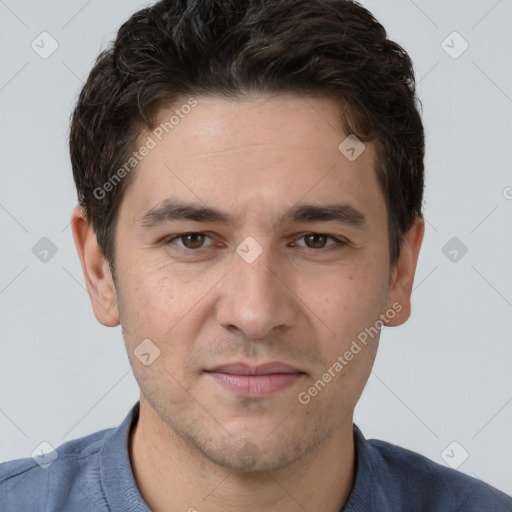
(332, 48)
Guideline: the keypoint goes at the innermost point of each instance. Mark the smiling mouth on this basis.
(255, 381)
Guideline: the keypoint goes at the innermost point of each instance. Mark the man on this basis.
(250, 183)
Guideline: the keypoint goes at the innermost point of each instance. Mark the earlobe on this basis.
(95, 268)
(403, 274)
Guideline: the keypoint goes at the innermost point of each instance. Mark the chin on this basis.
(260, 454)
(250, 459)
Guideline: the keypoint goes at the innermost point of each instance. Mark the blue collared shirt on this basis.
(93, 473)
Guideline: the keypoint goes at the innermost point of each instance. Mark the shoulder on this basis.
(25, 483)
(422, 484)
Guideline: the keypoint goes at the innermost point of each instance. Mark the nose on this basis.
(256, 298)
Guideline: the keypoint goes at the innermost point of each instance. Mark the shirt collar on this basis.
(117, 478)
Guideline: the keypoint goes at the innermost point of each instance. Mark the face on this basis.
(266, 291)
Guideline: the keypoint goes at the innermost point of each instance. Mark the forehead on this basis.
(254, 155)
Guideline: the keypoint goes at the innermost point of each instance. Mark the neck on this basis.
(172, 474)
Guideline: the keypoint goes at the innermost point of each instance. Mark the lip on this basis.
(262, 369)
(255, 381)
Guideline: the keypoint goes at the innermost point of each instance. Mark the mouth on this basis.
(255, 381)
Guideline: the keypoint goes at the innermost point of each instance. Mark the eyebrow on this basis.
(339, 213)
(172, 211)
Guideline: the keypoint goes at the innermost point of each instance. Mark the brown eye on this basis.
(315, 240)
(192, 240)
(318, 241)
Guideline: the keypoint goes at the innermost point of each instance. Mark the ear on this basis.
(98, 278)
(403, 274)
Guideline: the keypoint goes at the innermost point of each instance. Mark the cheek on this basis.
(348, 311)
(149, 300)
(165, 304)
(332, 395)
(345, 300)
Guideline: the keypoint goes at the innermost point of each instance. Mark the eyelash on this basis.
(337, 242)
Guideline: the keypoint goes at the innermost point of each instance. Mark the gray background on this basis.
(444, 376)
